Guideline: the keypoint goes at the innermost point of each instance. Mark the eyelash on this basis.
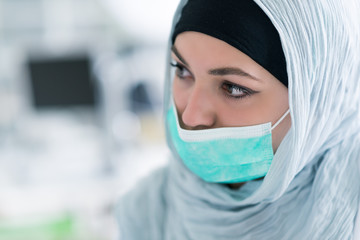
(179, 70)
(225, 86)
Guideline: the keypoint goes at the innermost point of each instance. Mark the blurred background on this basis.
(81, 86)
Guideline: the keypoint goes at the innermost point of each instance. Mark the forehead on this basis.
(199, 45)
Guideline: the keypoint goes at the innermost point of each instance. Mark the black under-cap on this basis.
(240, 23)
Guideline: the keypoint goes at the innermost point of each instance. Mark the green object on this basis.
(61, 228)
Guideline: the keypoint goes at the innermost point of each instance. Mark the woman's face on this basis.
(216, 85)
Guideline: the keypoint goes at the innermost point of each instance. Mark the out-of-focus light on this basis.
(126, 126)
(143, 18)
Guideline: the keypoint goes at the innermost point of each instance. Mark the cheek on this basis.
(280, 132)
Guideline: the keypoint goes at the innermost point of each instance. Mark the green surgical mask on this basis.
(224, 155)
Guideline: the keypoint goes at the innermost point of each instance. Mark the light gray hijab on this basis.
(313, 186)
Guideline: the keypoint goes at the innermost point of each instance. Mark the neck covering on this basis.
(312, 188)
(242, 24)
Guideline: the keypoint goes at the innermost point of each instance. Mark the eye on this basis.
(181, 71)
(235, 91)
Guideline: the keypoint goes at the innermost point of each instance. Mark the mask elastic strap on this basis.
(279, 121)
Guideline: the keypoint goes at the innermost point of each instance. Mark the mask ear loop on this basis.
(282, 118)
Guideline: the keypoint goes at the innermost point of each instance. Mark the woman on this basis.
(263, 120)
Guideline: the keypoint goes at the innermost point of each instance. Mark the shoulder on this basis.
(143, 207)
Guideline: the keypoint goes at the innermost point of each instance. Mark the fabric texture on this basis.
(217, 159)
(312, 188)
(242, 24)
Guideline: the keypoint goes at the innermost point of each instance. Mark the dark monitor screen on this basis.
(61, 82)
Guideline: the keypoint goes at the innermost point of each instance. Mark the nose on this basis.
(199, 112)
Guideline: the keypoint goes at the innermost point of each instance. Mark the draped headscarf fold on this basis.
(312, 189)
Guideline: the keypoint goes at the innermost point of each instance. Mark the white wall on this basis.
(145, 19)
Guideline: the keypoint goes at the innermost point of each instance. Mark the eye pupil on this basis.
(235, 91)
(181, 71)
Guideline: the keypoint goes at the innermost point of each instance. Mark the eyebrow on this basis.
(217, 71)
(230, 71)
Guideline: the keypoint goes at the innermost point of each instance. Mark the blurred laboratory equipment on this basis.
(80, 112)
(131, 83)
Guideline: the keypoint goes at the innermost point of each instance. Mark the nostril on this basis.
(196, 119)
